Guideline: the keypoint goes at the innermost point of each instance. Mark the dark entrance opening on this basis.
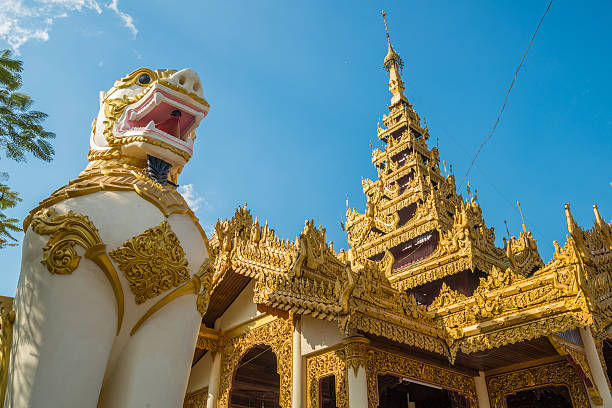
(327, 392)
(395, 392)
(256, 381)
(549, 397)
(607, 353)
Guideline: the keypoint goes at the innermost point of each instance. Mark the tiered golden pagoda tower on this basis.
(415, 222)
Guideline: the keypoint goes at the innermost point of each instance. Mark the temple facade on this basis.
(422, 309)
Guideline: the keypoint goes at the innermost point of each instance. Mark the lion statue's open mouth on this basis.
(150, 113)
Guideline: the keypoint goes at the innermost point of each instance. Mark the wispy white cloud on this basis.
(193, 199)
(128, 21)
(25, 20)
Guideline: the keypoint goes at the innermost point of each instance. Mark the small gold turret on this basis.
(393, 65)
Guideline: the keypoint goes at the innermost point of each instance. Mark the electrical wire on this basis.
(507, 95)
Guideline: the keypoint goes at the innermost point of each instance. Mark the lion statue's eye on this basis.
(144, 79)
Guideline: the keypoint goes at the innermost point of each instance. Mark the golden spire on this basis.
(393, 64)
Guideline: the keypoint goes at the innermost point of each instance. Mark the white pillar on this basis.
(213, 383)
(595, 364)
(296, 396)
(481, 391)
(357, 388)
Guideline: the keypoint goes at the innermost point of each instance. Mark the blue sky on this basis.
(296, 91)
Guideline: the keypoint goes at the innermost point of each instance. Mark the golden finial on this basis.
(393, 64)
(507, 230)
(523, 219)
(386, 28)
(392, 59)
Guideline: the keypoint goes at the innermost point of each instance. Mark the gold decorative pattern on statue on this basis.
(165, 198)
(198, 285)
(278, 334)
(7, 319)
(558, 374)
(383, 362)
(323, 365)
(196, 399)
(60, 256)
(152, 262)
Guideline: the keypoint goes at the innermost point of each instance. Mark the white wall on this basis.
(200, 373)
(241, 310)
(319, 334)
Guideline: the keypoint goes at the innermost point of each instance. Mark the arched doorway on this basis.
(256, 382)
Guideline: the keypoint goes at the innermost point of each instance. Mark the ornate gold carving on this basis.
(558, 374)
(196, 399)
(355, 352)
(152, 262)
(205, 276)
(383, 362)
(523, 253)
(446, 297)
(59, 255)
(208, 339)
(599, 339)
(90, 181)
(323, 365)
(199, 284)
(575, 354)
(278, 334)
(518, 332)
(7, 318)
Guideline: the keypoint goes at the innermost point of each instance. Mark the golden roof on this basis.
(515, 296)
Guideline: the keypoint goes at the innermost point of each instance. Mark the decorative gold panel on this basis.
(278, 334)
(152, 262)
(321, 366)
(382, 362)
(557, 374)
(196, 399)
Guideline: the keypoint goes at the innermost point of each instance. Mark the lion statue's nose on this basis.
(188, 80)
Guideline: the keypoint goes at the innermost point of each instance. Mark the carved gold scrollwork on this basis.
(557, 374)
(208, 339)
(599, 339)
(323, 365)
(152, 262)
(205, 276)
(355, 352)
(199, 284)
(278, 334)
(575, 353)
(59, 255)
